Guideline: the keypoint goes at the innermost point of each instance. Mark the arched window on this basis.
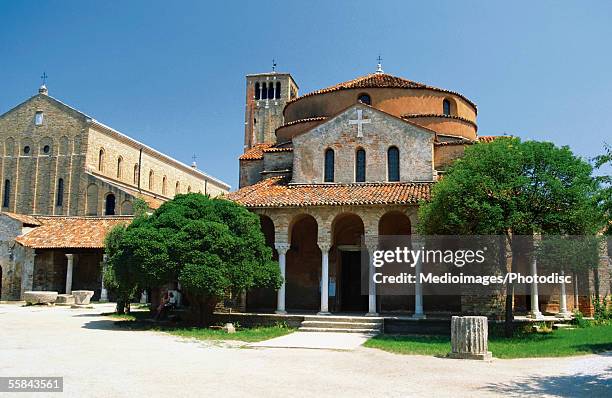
(59, 200)
(360, 165)
(329, 165)
(446, 107)
(365, 99)
(6, 198)
(165, 185)
(278, 90)
(257, 91)
(189, 189)
(101, 160)
(393, 168)
(109, 206)
(136, 173)
(151, 175)
(264, 91)
(271, 90)
(119, 166)
(177, 188)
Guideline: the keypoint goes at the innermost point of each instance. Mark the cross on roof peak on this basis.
(44, 78)
(379, 68)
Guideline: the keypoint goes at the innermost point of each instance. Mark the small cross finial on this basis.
(194, 164)
(379, 68)
(273, 65)
(44, 78)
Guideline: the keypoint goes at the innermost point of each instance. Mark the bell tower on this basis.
(266, 97)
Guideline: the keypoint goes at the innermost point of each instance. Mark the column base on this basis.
(323, 313)
(535, 315)
(564, 315)
(418, 316)
(372, 314)
(280, 312)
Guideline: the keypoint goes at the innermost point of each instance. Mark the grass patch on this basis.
(560, 343)
(243, 334)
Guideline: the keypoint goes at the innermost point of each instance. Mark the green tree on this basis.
(213, 247)
(512, 188)
(602, 162)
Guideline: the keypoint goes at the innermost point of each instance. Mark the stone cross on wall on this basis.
(360, 121)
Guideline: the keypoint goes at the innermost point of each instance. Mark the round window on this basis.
(46, 149)
(26, 149)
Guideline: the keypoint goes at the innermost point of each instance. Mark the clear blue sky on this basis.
(171, 73)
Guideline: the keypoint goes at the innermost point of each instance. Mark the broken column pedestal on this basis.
(469, 338)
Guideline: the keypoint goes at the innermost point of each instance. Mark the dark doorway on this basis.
(110, 205)
(351, 297)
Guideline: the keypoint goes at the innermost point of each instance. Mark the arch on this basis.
(64, 144)
(92, 200)
(264, 91)
(164, 185)
(59, 199)
(9, 146)
(136, 173)
(277, 93)
(303, 270)
(329, 166)
(257, 93)
(101, 160)
(364, 98)
(394, 222)
(360, 165)
(26, 150)
(447, 107)
(271, 90)
(347, 229)
(45, 146)
(127, 208)
(151, 176)
(177, 188)
(6, 195)
(109, 204)
(264, 299)
(119, 167)
(393, 164)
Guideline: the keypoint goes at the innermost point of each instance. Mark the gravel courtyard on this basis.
(98, 360)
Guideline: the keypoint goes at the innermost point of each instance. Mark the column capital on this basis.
(282, 247)
(324, 246)
(69, 256)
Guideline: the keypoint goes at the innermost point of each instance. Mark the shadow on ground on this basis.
(595, 384)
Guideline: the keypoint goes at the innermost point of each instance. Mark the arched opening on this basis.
(277, 93)
(136, 173)
(446, 107)
(59, 200)
(165, 185)
(264, 91)
(92, 200)
(271, 90)
(303, 270)
(151, 175)
(260, 299)
(6, 196)
(393, 164)
(329, 165)
(346, 271)
(364, 99)
(127, 208)
(109, 206)
(101, 160)
(360, 165)
(257, 94)
(177, 188)
(119, 166)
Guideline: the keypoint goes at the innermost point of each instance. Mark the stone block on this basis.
(82, 297)
(469, 338)
(64, 299)
(229, 328)
(40, 297)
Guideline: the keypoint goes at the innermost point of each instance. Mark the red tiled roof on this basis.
(275, 192)
(416, 116)
(68, 232)
(309, 119)
(23, 218)
(380, 80)
(489, 138)
(255, 152)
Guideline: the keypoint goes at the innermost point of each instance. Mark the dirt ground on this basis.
(98, 360)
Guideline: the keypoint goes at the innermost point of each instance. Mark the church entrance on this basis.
(351, 299)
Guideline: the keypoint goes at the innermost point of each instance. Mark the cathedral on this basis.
(66, 180)
(331, 171)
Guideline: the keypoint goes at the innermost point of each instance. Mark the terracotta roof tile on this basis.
(309, 119)
(23, 218)
(489, 138)
(275, 192)
(57, 232)
(255, 152)
(417, 115)
(278, 149)
(380, 80)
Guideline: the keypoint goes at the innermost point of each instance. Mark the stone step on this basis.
(324, 318)
(371, 331)
(342, 325)
(563, 326)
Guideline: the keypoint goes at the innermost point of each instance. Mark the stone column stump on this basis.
(40, 297)
(469, 338)
(82, 297)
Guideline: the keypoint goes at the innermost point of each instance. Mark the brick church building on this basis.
(330, 171)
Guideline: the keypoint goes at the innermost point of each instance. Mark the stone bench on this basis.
(39, 297)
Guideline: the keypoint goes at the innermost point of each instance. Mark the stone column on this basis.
(563, 312)
(372, 246)
(144, 297)
(70, 258)
(27, 272)
(324, 278)
(282, 249)
(418, 287)
(535, 303)
(103, 291)
(469, 338)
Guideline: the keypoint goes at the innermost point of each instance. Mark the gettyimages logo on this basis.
(409, 256)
